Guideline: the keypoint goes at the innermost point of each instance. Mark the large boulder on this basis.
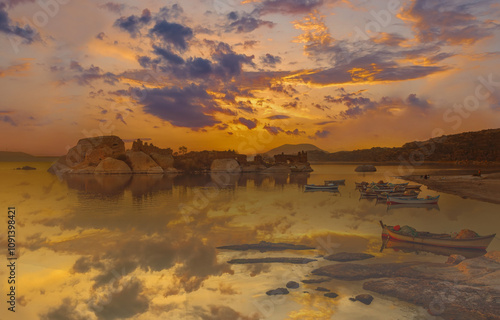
(112, 166)
(163, 160)
(225, 165)
(142, 163)
(87, 154)
(365, 168)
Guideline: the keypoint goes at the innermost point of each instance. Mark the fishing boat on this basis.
(435, 239)
(427, 207)
(337, 182)
(321, 187)
(427, 200)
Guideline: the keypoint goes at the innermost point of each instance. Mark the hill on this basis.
(8, 156)
(293, 149)
(477, 146)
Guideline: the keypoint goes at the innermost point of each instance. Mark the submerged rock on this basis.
(364, 298)
(264, 246)
(26, 168)
(322, 289)
(278, 291)
(347, 256)
(292, 285)
(331, 295)
(320, 280)
(365, 168)
(272, 260)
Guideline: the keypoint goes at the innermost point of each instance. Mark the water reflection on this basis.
(140, 185)
(129, 250)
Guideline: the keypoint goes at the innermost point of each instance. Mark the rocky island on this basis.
(107, 155)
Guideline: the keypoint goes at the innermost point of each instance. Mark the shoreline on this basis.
(485, 188)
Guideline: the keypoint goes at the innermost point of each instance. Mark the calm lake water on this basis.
(144, 247)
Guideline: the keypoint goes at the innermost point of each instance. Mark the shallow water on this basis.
(144, 247)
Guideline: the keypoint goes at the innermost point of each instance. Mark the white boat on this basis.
(427, 200)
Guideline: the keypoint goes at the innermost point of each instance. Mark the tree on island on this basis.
(182, 150)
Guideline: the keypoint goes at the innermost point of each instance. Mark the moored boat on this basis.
(427, 200)
(434, 239)
(321, 187)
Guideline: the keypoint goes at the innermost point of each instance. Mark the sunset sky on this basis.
(246, 75)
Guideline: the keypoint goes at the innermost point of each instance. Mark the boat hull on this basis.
(480, 243)
(397, 200)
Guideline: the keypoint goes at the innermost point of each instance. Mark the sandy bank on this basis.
(484, 188)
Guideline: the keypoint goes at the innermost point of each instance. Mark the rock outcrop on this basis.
(165, 161)
(142, 163)
(467, 290)
(365, 168)
(225, 165)
(347, 256)
(112, 166)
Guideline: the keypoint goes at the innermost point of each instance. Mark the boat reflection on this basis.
(409, 247)
(428, 207)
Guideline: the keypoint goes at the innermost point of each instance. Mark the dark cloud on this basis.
(229, 62)
(245, 23)
(413, 101)
(451, 21)
(289, 90)
(66, 311)
(100, 36)
(325, 122)
(172, 12)
(295, 132)
(320, 106)
(125, 303)
(248, 44)
(182, 107)
(113, 7)
(273, 130)
(270, 61)
(278, 117)
(148, 62)
(6, 26)
(358, 105)
(289, 6)
(172, 33)
(9, 120)
(290, 105)
(250, 124)
(133, 23)
(168, 55)
(93, 73)
(246, 106)
(322, 133)
(119, 116)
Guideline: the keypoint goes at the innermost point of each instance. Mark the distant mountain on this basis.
(293, 149)
(480, 146)
(7, 156)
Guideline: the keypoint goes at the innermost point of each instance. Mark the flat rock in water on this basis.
(364, 298)
(322, 289)
(292, 285)
(26, 168)
(348, 256)
(320, 280)
(264, 246)
(272, 260)
(331, 295)
(278, 291)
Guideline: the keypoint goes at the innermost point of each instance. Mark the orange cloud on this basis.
(16, 70)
